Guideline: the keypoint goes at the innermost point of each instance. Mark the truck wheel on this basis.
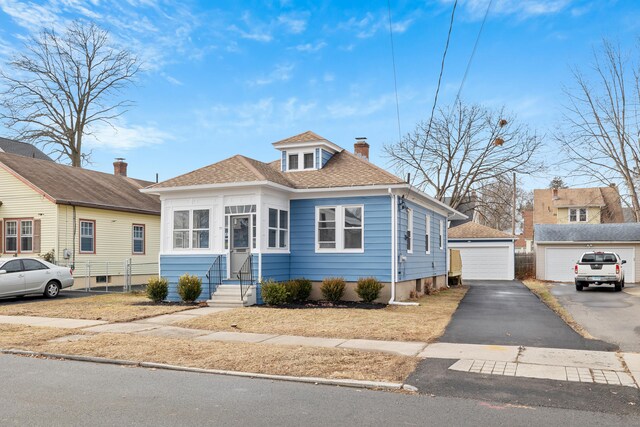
(618, 286)
(578, 286)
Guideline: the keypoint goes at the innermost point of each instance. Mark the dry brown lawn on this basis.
(400, 323)
(542, 291)
(110, 307)
(254, 358)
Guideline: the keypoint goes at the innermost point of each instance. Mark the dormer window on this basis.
(308, 160)
(578, 215)
(293, 161)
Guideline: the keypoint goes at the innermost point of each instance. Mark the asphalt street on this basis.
(39, 392)
(605, 314)
(507, 313)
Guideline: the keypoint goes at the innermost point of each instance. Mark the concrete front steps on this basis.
(228, 295)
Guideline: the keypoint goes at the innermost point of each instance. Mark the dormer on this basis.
(304, 152)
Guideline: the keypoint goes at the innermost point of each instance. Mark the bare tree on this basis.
(494, 204)
(464, 148)
(62, 85)
(603, 123)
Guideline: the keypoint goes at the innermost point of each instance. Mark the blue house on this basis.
(318, 211)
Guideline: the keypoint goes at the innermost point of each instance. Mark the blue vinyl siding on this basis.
(374, 261)
(275, 267)
(419, 264)
(325, 157)
(174, 266)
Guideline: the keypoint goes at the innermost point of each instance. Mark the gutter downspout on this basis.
(394, 251)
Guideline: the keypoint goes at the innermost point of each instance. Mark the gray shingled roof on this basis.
(587, 232)
(22, 149)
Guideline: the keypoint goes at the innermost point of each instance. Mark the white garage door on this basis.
(559, 262)
(486, 263)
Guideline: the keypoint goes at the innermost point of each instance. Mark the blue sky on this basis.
(227, 77)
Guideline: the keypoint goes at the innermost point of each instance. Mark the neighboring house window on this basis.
(11, 236)
(87, 236)
(293, 161)
(26, 236)
(308, 160)
(427, 235)
(278, 228)
(138, 239)
(578, 215)
(340, 229)
(191, 223)
(441, 236)
(409, 236)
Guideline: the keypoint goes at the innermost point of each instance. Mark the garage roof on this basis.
(473, 230)
(587, 232)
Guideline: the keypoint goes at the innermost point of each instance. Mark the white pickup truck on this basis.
(599, 268)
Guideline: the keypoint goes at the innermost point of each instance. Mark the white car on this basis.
(24, 276)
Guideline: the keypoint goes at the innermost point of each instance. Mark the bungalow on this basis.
(90, 220)
(318, 211)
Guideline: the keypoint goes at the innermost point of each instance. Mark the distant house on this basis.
(22, 149)
(467, 207)
(91, 220)
(598, 205)
(318, 211)
(524, 242)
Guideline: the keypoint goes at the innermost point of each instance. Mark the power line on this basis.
(395, 79)
(473, 52)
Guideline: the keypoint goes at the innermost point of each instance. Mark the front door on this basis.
(239, 243)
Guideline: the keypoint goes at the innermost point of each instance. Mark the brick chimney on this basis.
(361, 148)
(120, 167)
(554, 194)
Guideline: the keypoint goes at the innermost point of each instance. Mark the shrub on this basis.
(157, 289)
(368, 289)
(274, 293)
(189, 287)
(332, 288)
(49, 256)
(299, 289)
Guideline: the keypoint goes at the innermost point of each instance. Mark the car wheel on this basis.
(618, 286)
(52, 289)
(578, 286)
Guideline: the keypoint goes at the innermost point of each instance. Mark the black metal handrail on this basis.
(214, 274)
(245, 275)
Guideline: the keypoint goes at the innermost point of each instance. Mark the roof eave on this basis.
(218, 186)
(107, 207)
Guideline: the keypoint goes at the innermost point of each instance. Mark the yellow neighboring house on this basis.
(91, 220)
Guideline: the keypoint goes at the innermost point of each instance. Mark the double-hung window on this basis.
(191, 229)
(278, 228)
(26, 236)
(441, 235)
(138, 245)
(20, 235)
(409, 235)
(308, 160)
(340, 229)
(578, 215)
(11, 236)
(293, 161)
(427, 235)
(87, 236)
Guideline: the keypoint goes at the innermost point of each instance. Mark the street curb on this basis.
(150, 365)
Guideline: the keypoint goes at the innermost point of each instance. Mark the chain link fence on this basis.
(111, 276)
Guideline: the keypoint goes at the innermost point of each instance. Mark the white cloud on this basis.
(281, 73)
(310, 47)
(370, 24)
(521, 8)
(124, 137)
(294, 24)
(328, 77)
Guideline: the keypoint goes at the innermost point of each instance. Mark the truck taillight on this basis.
(575, 269)
(617, 269)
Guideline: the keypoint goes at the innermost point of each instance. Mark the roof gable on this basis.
(605, 198)
(81, 187)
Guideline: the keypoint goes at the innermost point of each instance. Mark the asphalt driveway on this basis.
(507, 313)
(605, 314)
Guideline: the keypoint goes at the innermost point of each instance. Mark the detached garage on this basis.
(559, 246)
(487, 253)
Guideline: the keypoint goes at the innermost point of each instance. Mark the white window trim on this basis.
(297, 156)
(277, 247)
(441, 243)
(86, 236)
(427, 234)
(191, 229)
(410, 230)
(300, 155)
(339, 229)
(577, 210)
(134, 238)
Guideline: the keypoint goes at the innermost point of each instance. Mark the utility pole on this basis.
(513, 211)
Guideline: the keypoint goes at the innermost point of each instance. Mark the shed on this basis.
(487, 253)
(559, 246)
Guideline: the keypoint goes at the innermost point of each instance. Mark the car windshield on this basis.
(598, 257)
